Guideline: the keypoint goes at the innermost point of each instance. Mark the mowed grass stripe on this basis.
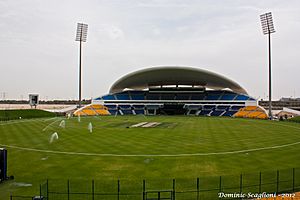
(149, 140)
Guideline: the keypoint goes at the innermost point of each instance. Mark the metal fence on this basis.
(204, 188)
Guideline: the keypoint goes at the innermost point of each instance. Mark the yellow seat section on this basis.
(89, 112)
(250, 108)
(81, 113)
(98, 106)
(241, 113)
(254, 112)
(92, 110)
(102, 112)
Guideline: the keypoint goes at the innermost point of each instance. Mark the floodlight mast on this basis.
(81, 35)
(268, 28)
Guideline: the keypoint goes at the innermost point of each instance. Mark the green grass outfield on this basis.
(6, 115)
(180, 147)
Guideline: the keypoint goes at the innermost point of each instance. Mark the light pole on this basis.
(268, 28)
(81, 35)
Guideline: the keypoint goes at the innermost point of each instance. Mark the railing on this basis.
(204, 188)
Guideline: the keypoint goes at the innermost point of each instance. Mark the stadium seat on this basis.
(198, 96)
(255, 112)
(229, 113)
(112, 112)
(222, 107)
(140, 106)
(209, 107)
(139, 111)
(124, 106)
(92, 110)
(153, 97)
(127, 112)
(241, 97)
(228, 97)
(183, 97)
(167, 96)
(236, 108)
(205, 112)
(113, 107)
(212, 97)
(109, 97)
(123, 96)
(217, 112)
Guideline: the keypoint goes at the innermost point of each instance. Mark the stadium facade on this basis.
(175, 91)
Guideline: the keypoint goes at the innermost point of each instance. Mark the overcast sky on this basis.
(39, 53)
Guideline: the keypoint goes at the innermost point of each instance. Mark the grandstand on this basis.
(176, 91)
(92, 110)
(255, 112)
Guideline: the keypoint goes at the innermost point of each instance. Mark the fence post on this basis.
(293, 179)
(144, 189)
(198, 188)
(241, 183)
(93, 189)
(11, 197)
(277, 183)
(220, 184)
(40, 190)
(118, 189)
(158, 195)
(174, 189)
(259, 182)
(47, 189)
(68, 189)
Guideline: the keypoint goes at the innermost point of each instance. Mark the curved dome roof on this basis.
(144, 78)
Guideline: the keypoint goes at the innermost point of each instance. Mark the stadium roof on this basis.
(170, 75)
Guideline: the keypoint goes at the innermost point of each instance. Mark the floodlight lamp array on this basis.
(267, 23)
(81, 33)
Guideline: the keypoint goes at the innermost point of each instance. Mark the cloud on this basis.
(123, 36)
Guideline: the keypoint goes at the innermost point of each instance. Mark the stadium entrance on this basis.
(172, 109)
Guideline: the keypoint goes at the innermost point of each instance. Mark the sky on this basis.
(39, 53)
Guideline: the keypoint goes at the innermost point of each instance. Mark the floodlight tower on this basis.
(268, 28)
(81, 36)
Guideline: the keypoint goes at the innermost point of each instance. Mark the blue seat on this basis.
(167, 96)
(109, 97)
(127, 112)
(212, 97)
(139, 111)
(236, 108)
(204, 112)
(217, 112)
(242, 97)
(183, 97)
(209, 107)
(228, 97)
(197, 96)
(223, 107)
(112, 107)
(153, 97)
(123, 96)
(112, 111)
(125, 107)
(137, 97)
(229, 113)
